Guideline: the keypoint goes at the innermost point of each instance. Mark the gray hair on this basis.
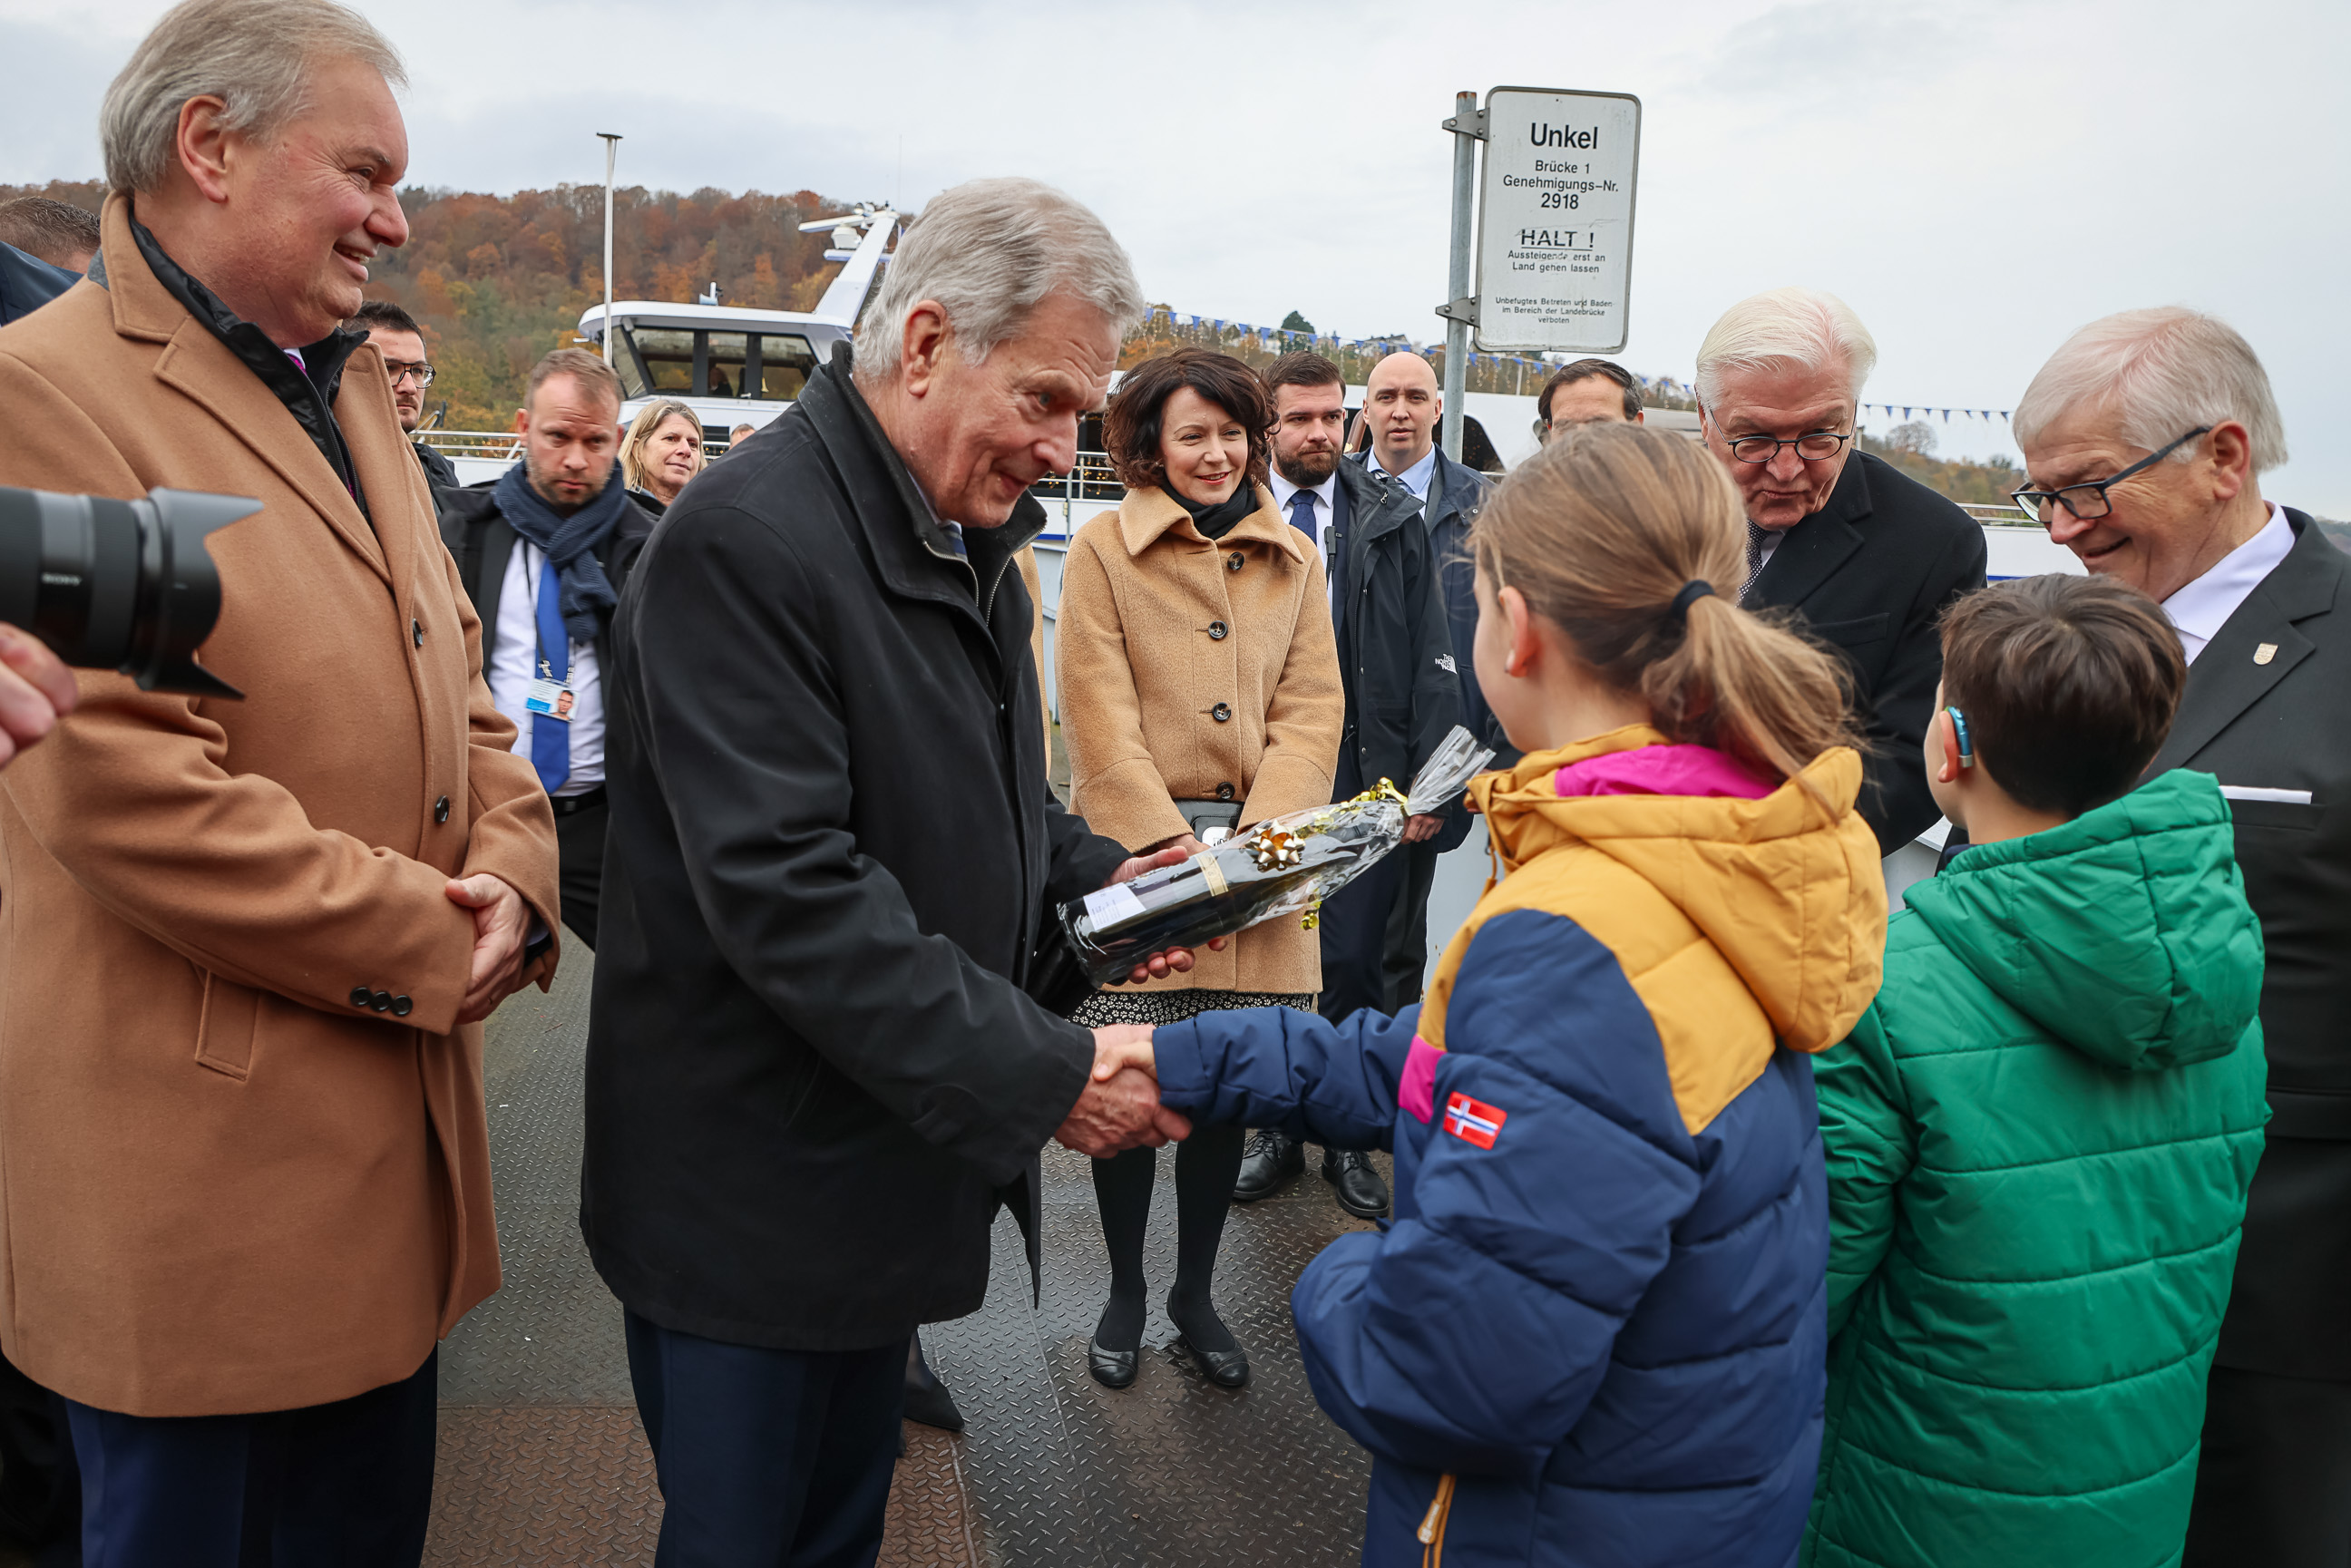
(254, 56)
(989, 251)
(1806, 327)
(2160, 373)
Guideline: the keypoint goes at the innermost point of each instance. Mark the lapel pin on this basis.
(2265, 653)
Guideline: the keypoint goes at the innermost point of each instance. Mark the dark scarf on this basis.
(1218, 520)
(570, 543)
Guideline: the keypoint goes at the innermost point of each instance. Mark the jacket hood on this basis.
(2125, 933)
(1787, 887)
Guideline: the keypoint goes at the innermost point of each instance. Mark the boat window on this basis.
(727, 352)
(785, 366)
(668, 354)
(624, 361)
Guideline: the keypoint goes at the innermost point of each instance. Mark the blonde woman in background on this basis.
(1199, 687)
(662, 451)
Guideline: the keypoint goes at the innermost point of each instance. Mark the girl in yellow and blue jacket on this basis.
(1594, 1331)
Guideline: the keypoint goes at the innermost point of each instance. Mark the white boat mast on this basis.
(863, 257)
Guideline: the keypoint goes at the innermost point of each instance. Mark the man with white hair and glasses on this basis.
(826, 1044)
(1865, 556)
(249, 942)
(2144, 436)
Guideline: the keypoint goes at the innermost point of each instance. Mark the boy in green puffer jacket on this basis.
(2040, 1136)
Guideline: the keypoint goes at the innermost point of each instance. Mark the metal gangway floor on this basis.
(542, 1460)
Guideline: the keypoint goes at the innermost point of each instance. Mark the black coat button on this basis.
(361, 997)
(381, 1001)
(401, 1007)
(1224, 791)
(1222, 713)
(1235, 562)
(441, 809)
(416, 629)
(1218, 629)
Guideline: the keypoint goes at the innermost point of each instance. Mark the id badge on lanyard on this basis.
(546, 697)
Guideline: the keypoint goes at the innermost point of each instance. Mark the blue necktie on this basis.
(1301, 513)
(550, 737)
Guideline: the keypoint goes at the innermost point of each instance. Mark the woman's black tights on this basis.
(1206, 1163)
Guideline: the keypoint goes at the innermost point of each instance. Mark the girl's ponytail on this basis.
(1631, 541)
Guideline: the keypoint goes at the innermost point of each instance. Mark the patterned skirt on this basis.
(1158, 1007)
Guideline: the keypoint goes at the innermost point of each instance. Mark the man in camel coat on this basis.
(245, 946)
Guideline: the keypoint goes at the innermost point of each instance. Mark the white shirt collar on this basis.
(2200, 610)
(1417, 478)
(1283, 489)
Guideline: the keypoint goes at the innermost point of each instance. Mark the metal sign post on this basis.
(1553, 243)
(1459, 310)
(611, 149)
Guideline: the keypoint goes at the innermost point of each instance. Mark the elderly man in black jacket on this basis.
(814, 1071)
(1397, 667)
(2145, 437)
(1866, 557)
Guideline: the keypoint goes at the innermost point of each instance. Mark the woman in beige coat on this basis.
(1197, 667)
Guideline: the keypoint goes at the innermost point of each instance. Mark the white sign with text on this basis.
(1555, 219)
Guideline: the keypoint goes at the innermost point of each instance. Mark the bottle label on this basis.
(1113, 905)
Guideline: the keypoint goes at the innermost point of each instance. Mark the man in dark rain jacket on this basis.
(1398, 667)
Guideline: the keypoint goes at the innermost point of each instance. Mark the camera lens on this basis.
(117, 585)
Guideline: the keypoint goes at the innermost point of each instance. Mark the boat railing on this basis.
(498, 447)
(1999, 517)
(1090, 478)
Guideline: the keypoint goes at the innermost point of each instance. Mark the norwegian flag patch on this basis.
(1473, 1120)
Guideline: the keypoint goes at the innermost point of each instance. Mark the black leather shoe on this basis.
(1272, 1163)
(927, 1399)
(1112, 1368)
(1361, 1193)
(1224, 1368)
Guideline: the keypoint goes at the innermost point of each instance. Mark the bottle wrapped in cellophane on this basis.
(1284, 865)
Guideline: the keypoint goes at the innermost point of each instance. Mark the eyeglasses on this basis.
(1817, 447)
(2088, 501)
(400, 370)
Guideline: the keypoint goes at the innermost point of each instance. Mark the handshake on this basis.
(1120, 1109)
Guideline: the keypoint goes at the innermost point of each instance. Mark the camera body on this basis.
(117, 585)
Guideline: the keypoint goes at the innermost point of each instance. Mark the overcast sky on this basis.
(1976, 178)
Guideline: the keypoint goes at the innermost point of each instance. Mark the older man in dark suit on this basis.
(1867, 556)
(2144, 437)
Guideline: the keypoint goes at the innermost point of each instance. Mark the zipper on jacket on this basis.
(1432, 1528)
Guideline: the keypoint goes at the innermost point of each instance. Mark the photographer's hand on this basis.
(501, 925)
(1175, 960)
(36, 691)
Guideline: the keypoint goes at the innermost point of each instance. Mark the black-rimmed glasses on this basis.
(2088, 501)
(1818, 446)
(399, 370)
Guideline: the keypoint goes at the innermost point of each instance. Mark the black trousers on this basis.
(2273, 1485)
(346, 1485)
(579, 842)
(41, 1488)
(1406, 963)
(780, 1457)
(1355, 939)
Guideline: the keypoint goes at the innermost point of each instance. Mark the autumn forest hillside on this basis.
(496, 281)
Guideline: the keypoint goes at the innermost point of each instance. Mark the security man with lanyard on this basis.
(544, 553)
